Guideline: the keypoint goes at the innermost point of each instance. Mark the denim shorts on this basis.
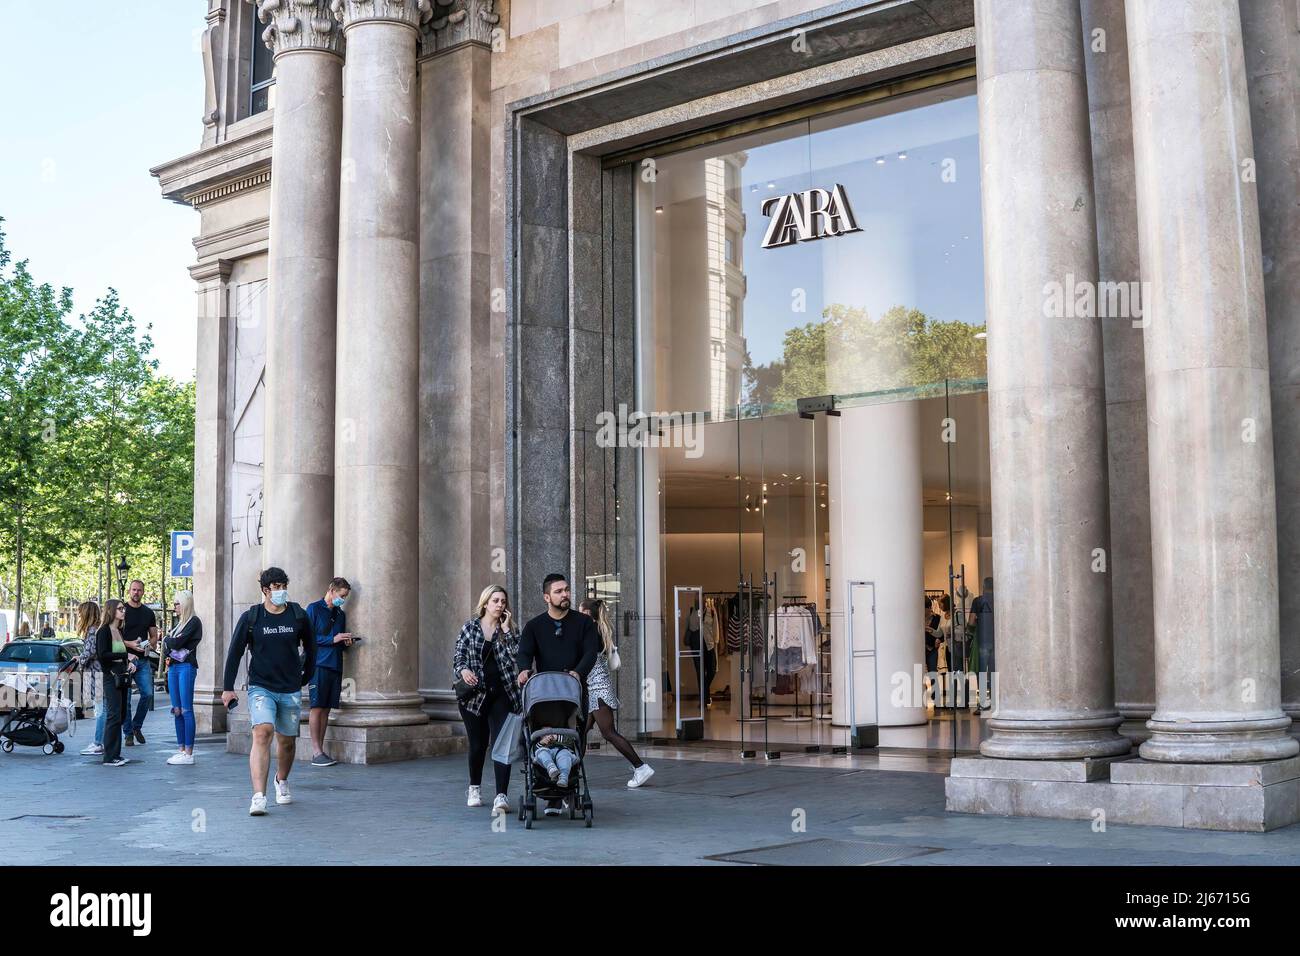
(268, 707)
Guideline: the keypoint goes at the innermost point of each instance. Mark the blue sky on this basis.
(94, 95)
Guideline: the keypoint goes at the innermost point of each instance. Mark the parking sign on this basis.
(182, 554)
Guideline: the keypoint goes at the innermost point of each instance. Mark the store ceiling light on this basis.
(902, 155)
(659, 210)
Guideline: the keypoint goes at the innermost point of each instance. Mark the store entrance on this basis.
(798, 561)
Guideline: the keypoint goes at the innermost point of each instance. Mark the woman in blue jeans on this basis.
(180, 647)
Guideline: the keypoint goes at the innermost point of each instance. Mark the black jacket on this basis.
(187, 640)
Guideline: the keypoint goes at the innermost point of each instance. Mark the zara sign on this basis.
(811, 214)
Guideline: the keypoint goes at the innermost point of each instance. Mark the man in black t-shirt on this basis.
(561, 639)
(282, 656)
(140, 634)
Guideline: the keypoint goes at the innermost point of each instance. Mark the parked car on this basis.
(36, 662)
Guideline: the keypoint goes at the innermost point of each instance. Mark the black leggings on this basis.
(604, 718)
(483, 728)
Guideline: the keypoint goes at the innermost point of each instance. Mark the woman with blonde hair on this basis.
(601, 700)
(92, 677)
(181, 646)
(487, 687)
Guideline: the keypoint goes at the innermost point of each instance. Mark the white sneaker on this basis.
(181, 759)
(501, 804)
(640, 775)
(282, 794)
(258, 807)
(94, 750)
(475, 797)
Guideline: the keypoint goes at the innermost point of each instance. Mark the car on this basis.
(33, 662)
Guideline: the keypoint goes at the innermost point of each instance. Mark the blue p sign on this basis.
(182, 554)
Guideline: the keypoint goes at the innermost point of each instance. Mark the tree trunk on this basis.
(18, 600)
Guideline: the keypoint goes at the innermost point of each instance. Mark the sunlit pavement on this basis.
(69, 809)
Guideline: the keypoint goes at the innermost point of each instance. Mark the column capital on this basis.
(412, 13)
(457, 22)
(299, 25)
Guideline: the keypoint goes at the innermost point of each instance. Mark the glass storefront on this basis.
(810, 321)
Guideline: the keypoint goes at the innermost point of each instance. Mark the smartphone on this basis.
(232, 705)
(356, 640)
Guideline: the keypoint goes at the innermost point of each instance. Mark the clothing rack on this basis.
(801, 600)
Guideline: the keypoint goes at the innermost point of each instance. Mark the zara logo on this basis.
(811, 214)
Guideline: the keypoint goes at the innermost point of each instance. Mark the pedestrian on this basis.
(25, 631)
(981, 615)
(559, 639)
(141, 636)
(278, 637)
(484, 667)
(601, 698)
(330, 627)
(92, 675)
(181, 646)
(118, 669)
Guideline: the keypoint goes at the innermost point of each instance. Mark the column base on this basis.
(440, 704)
(1019, 738)
(1238, 797)
(210, 715)
(379, 743)
(1211, 742)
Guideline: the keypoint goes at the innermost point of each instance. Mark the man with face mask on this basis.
(330, 626)
(282, 648)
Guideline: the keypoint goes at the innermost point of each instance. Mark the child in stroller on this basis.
(556, 740)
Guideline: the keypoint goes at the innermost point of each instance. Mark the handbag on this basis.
(509, 745)
(463, 690)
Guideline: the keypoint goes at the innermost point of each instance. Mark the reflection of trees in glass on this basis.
(848, 352)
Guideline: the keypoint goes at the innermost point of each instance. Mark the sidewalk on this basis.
(69, 809)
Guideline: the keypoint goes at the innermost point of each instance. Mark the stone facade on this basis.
(450, 298)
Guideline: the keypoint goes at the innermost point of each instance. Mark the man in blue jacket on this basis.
(329, 624)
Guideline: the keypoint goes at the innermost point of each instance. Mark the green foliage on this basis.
(96, 448)
(848, 352)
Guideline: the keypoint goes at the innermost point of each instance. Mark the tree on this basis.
(38, 403)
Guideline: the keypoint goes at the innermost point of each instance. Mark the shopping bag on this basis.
(509, 745)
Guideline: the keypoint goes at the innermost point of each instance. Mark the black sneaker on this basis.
(323, 760)
(139, 737)
(119, 762)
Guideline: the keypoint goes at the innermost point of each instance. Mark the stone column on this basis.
(303, 262)
(377, 445)
(1213, 534)
(211, 584)
(456, 547)
(1270, 31)
(1046, 390)
(1118, 268)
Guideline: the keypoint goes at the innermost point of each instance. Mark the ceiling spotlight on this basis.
(771, 185)
(659, 210)
(902, 155)
(880, 160)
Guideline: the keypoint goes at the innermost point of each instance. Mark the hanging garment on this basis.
(733, 633)
(710, 626)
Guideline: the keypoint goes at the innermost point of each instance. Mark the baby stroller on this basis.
(39, 717)
(553, 705)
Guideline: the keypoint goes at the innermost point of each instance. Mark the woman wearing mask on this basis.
(487, 687)
(92, 678)
(600, 694)
(117, 670)
(181, 646)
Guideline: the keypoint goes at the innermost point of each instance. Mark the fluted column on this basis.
(1213, 534)
(1271, 35)
(1046, 391)
(376, 448)
(1118, 264)
(303, 263)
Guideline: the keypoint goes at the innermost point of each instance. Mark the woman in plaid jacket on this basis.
(92, 677)
(484, 666)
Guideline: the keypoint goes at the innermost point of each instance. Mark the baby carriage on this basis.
(39, 716)
(553, 705)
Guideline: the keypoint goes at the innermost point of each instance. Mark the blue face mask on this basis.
(280, 597)
(339, 601)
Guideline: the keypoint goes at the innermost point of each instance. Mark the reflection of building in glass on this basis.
(726, 229)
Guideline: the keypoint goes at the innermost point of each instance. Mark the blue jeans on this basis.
(101, 705)
(180, 688)
(143, 684)
(557, 757)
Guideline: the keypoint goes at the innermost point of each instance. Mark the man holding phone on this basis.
(139, 634)
(282, 656)
(329, 624)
